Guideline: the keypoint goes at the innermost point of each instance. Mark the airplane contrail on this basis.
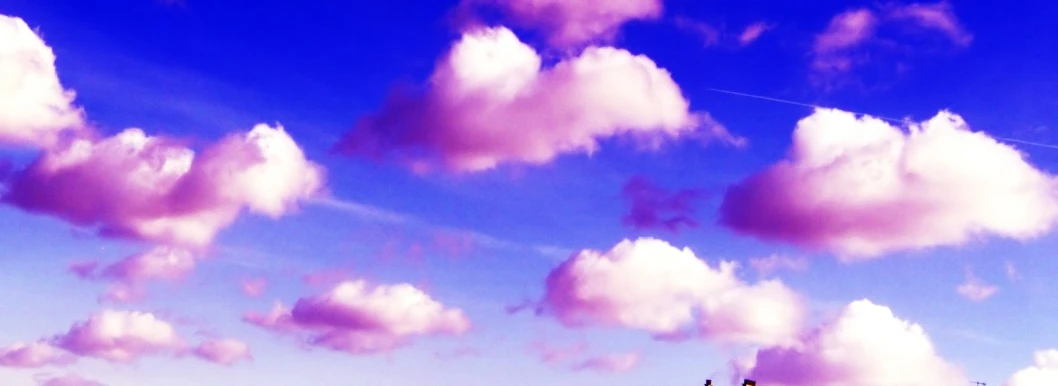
(795, 103)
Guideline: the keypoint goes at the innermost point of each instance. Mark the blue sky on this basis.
(199, 70)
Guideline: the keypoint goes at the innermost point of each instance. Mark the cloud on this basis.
(131, 273)
(223, 351)
(974, 289)
(68, 380)
(574, 23)
(938, 16)
(710, 35)
(861, 188)
(1044, 371)
(151, 188)
(553, 355)
(37, 354)
(650, 285)
(120, 336)
(37, 109)
(767, 265)
(358, 319)
(253, 287)
(865, 345)
(1012, 272)
(753, 32)
(490, 102)
(610, 363)
(839, 48)
(653, 207)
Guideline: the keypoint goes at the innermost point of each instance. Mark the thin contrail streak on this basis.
(795, 103)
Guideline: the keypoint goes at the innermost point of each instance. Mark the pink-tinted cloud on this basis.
(861, 188)
(120, 336)
(123, 293)
(223, 351)
(156, 264)
(650, 285)
(1044, 371)
(937, 16)
(573, 23)
(753, 32)
(865, 345)
(253, 287)
(1012, 272)
(554, 355)
(131, 273)
(610, 363)
(461, 352)
(154, 189)
(69, 380)
(490, 101)
(653, 207)
(845, 31)
(709, 35)
(975, 289)
(37, 109)
(35, 354)
(768, 265)
(358, 319)
(837, 49)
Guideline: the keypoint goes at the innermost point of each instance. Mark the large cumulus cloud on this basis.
(861, 187)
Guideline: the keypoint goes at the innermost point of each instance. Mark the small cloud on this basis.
(753, 32)
(553, 355)
(974, 289)
(37, 354)
(359, 319)
(568, 24)
(1012, 272)
(767, 265)
(67, 380)
(253, 287)
(652, 207)
(610, 363)
(223, 351)
(709, 35)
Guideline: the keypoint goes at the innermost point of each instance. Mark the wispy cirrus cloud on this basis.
(975, 289)
(859, 36)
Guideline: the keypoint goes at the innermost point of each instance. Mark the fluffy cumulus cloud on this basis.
(654, 207)
(35, 354)
(37, 109)
(356, 318)
(223, 351)
(120, 336)
(861, 187)
(152, 188)
(839, 47)
(491, 101)
(650, 285)
(865, 345)
(1043, 372)
(572, 23)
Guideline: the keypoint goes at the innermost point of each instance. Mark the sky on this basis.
(526, 192)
